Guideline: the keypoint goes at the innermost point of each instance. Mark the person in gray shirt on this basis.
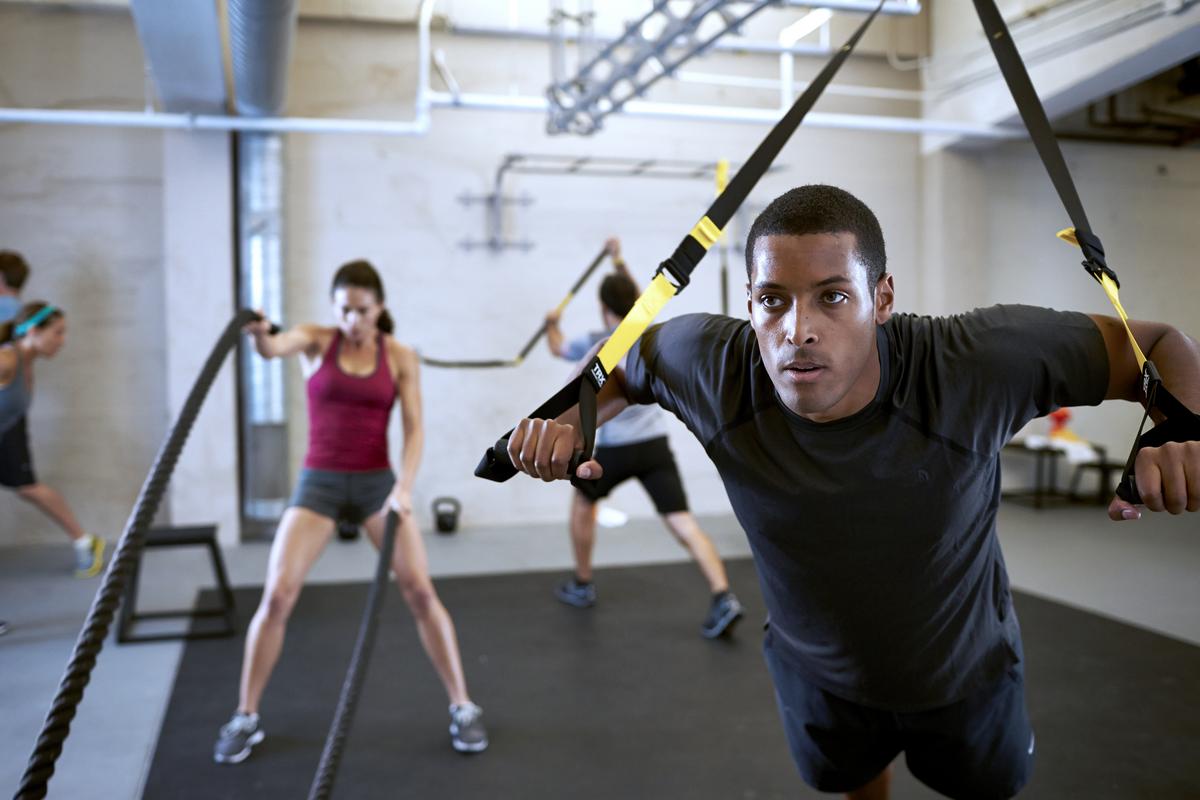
(634, 445)
(861, 452)
(14, 271)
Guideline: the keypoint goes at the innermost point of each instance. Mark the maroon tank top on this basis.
(348, 415)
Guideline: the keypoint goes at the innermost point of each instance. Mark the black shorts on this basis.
(16, 465)
(651, 462)
(352, 496)
(979, 748)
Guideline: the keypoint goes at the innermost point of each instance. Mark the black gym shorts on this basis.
(16, 464)
(651, 462)
(978, 748)
(350, 496)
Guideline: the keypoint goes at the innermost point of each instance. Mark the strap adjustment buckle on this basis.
(1098, 270)
(1093, 256)
(678, 278)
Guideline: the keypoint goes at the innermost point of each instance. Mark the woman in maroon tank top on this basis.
(356, 371)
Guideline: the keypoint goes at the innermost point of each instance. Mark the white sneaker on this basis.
(89, 556)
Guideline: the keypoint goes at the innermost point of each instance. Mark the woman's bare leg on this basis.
(411, 568)
(54, 506)
(301, 537)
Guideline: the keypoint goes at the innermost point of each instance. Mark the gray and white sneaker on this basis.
(237, 737)
(467, 733)
(724, 612)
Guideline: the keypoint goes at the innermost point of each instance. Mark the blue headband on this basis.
(37, 319)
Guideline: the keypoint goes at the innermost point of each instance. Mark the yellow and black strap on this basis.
(1178, 422)
(672, 275)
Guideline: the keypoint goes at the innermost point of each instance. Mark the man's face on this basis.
(815, 317)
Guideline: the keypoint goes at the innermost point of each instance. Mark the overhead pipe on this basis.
(762, 116)
(261, 33)
(419, 125)
(426, 99)
(773, 84)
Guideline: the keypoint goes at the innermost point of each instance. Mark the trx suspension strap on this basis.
(533, 340)
(1178, 424)
(671, 277)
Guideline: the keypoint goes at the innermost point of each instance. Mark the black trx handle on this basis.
(676, 271)
(496, 465)
(1179, 423)
(533, 340)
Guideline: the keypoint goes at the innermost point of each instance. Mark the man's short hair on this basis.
(618, 293)
(13, 269)
(818, 208)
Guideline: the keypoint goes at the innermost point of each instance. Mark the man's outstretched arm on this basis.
(543, 448)
(1168, 477)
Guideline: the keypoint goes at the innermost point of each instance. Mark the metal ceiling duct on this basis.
(260, 45)
(181, 42)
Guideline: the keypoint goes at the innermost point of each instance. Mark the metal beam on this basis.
(651, 48)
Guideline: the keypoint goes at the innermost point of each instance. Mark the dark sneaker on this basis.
(574, 593)
(89, 556)
(237, 737)
(467, 733)
(3, 627)
(724, 612)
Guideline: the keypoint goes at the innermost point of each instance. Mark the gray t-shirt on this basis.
(634, 424)
(10, 306)
(875, 535)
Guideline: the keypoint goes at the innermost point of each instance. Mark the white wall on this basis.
(198, 297)
(1141, 202)
(84, 206)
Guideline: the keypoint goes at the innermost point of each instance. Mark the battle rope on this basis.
(335, 741)
(125, 558)
(672, 276)
(1179, 424)
(533, 340)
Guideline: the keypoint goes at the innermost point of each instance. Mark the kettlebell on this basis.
(445, 512)
(347, 531)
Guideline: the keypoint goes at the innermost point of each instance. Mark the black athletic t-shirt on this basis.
(875, 535)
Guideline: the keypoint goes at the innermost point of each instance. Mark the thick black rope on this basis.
(91, 639)
(335, 741)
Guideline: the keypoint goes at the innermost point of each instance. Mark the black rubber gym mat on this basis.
(626, 700)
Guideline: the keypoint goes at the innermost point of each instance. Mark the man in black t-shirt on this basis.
(860, 450)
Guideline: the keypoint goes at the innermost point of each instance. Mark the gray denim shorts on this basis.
(352, 496)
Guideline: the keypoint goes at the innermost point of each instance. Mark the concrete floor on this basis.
(1143, 573)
